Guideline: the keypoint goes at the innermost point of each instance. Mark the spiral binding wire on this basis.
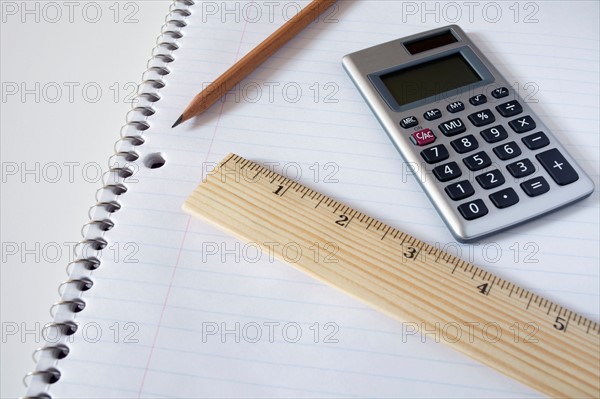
(80, 271)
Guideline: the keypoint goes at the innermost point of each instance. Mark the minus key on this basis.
(536, 141)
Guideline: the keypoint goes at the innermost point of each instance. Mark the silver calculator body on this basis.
(486, 161)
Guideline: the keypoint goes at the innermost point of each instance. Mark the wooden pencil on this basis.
(217, 89)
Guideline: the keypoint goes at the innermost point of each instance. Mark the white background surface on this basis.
(44, 209)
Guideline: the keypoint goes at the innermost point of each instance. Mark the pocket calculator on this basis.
(486, 161)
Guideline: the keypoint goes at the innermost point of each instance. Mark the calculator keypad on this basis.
(491, 179)
(523, 124)
(482, 118)
(504, 198)
(447, 171)
(435, 154)
(422, 137)
(408, 122)
(521, 168)
(432, 114)
(536, 141)
(465, 144)
(536, 186)
(478, 99)
(473, 210)
(478, 161)
(461, 190)
(557, 167)
(499, 154)
(509, 109)
(494, 134)
(456, 106)
(452, 127)
(507, 151)
(500, 92)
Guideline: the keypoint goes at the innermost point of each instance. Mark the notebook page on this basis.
(180, 309)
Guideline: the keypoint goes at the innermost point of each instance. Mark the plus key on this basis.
(557, 167)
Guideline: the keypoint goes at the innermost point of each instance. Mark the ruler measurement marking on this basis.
(529, 303)
(316, 206)
(386, 231)
(454, 269)
(228, 159)
(418, 266)
(284, 191)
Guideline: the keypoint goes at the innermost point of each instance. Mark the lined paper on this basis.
(186, 311)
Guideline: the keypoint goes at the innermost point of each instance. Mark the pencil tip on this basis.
(177, 122)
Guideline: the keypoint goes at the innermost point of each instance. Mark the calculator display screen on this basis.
(430, 78)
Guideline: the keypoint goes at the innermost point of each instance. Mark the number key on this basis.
(494, 134)
(490, 179)
(473, 210)
(460, 190)
(521, 168)
(435, 154)
(478, 161)
(447, 171)
(465, 144)
(507, 151)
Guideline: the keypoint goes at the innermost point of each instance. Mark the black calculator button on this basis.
(557, 167)
(482, 118)
(494, 134)
(478, 99)
(447, 171)
(465, 144)
(432, 114)
(536, 141)
(478, 161)
(452, 127)
(491, 179)
(408, 122)
(509, 109)
(507, 151)
(455, 106)
(460, 190)
(473, 210)
(504, 198)
(500, 92)
(435, 154)
(521, 168)
(523, 124)
(536, 186)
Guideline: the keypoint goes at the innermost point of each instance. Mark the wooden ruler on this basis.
(515, 331)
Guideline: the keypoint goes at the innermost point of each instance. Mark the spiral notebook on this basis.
(159, 304)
